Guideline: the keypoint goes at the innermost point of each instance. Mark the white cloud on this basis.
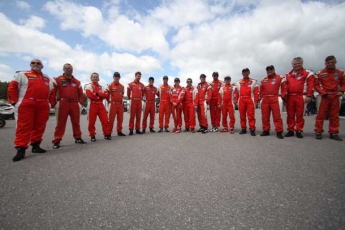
(33, 22)
(22, 5)
(6, 73)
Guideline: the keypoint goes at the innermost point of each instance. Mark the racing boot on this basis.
(335, 136)
(265, 133)
(20, 154)
(252, 132)
(318, 136)
(138, 131)
(79, 141)
(160, 130)
(107, 137)
(93, 138)
(289, 134)
(56, 145)
(243, 131)
(121, 134)
(152, 130)
(279, 135)
(299, 134)
(144, 130)
(36, 148)
(130, 132)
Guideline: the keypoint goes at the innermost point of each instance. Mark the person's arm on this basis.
(342, 84)
(81, 94)
(220, 97)
(90, 94)
(129, 92)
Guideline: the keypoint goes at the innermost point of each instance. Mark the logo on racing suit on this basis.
(336, 76)
(32, 78)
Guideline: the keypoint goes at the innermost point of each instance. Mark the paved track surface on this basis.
(175, 181)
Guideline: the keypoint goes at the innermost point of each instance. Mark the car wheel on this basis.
(2, 122)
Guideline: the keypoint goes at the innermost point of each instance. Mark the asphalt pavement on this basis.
(175, 181)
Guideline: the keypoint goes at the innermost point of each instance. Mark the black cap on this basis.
(227, 78)
(177, 79)
(151, 78)
(270, 67)
(116, 74)
(215, 74)
(202, 76)
(245, 70)
(165, 77)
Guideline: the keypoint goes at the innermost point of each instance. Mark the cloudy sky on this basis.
(178, 38)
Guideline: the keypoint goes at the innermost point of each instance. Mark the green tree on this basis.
(3, 89)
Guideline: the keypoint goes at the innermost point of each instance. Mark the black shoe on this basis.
(243, 131)
(318, 136)
(20, 155)
(252, 132)
(144, 130)
(204, 131)
(335, 136)
(266, 133)
(186, 130)
(167, 130)
(160, 130)
(290, 134)
(299, 134)
(130, 132)
(93, 138)
(121, 134)
(107, 137)
(138, 131)
(193, 130)
(152, 130)
(279, 135)
(56, 145)
(200, 130)
(37, 149)
(79, 141)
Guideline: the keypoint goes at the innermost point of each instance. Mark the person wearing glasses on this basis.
(330, 84)
(96, 93)
(30, 93)
(188, 96)
(270, 89)
(225, 103)
(150, 92)
(116, 91)
(175, 98)
(68, 97)
(213, 94)
(247, 98)
(297, 90)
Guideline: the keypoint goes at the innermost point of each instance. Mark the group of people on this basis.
(31, 92)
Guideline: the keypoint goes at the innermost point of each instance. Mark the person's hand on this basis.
(97, 94)
(307, 100)
(195, 107)
(219, 106)
(174, 104)
(325, 95)
(339, 94)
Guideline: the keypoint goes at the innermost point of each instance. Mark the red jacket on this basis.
(30, 85)
(301, 83)
(175, 95)
(247, 88)
(135, 90)
(271, 85)
(330, 81)
(150, 93)
(225, 94)
(213, 91)
(164, 92)
(202, 90)
(67, 89)
(96, 92)
(188, 95)
(116, 92)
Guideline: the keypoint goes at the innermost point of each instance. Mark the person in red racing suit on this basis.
(175, 99)
(225, 102)
(297, 90)
(270, 90)
(30, 93)
(164, 105)
(247, 97)
(201, 100)
(116, 92)
(68, 94)
(150, 93)
(330, 83)
(96, 94)
(188, 96)
(135, 94)
(213, 95)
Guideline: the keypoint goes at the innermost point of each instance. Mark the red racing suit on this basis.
(328, 82)
(175, 97)
(30, 92)
(67, 93)
(225, 100)
(150, 93)
(116, 92)
(270, 90)
(213, 95)
(96, 94)
(135, 94)
(201, 100)
(164, 105)
(187, 97)
(246, 95)
(294, 89)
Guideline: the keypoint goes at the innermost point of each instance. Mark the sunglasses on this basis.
(269, 68)
(189, 81)
(36, 63)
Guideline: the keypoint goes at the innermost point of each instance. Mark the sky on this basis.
(177, 38)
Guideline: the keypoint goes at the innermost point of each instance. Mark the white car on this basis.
(6, 111)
